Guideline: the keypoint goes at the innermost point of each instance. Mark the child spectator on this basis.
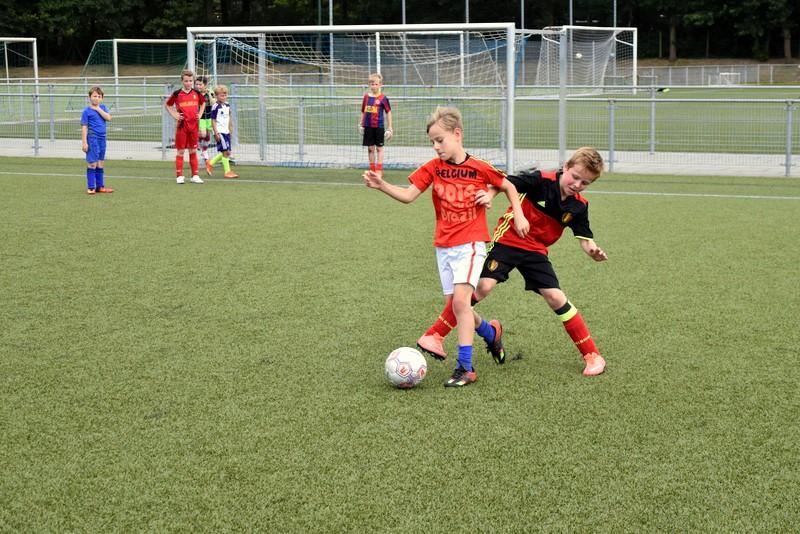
(222, 124)
(93, 137)
(374, 107)
(186, 105)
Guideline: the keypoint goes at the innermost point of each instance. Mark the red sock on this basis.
(446, 321)
(178, 165)
(580, 334)
(371, 166)
(379, 167)
(193, 162)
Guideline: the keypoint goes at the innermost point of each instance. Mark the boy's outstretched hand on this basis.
(372, 179)
(594, 252)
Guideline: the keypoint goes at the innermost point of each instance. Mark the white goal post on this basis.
(19, 54)
(301, 86)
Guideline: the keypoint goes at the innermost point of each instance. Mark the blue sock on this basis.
(98, 176)
(90, 178)
(486, 331)
(465, 357)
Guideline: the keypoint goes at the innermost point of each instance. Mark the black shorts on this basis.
(373, 136)
(535, 267)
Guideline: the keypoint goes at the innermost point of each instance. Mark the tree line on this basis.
(758, 29)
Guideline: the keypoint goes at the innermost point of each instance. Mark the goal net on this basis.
(296, 91)
(725, 78)
(19, 77)
(586, 59)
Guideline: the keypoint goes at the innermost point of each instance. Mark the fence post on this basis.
(611, 135)
(36, 123)
(165, 123)
(301, 128)
(652, 120)
(789, 109)
(52, 114)
(234, 117)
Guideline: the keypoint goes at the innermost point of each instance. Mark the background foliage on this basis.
(671, 28)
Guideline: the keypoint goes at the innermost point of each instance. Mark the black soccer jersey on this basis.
(548, 215)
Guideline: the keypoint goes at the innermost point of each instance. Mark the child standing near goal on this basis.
(461, 230)
(222, 124)
(186, 105)
(551, 202)
(376, 112)
(93, 138)
(205, 130)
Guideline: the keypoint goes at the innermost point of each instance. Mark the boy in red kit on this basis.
(375, 123)
(186, 105)
(551, 201)
(461, 230)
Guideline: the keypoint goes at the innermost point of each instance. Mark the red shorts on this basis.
(186, 136)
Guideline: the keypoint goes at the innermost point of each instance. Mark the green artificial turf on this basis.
(210, 358)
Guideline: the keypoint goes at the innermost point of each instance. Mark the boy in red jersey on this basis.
(374, 106)
(186, 105)
(551, 201)
(461, 230)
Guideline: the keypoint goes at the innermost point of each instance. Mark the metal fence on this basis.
(700, 75)
(646, 131)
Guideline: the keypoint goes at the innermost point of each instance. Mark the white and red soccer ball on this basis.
(405, 367)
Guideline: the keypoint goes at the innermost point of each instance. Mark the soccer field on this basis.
(210, 358)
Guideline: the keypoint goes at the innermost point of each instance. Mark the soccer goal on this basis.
(19, 60)
(586, 59)
(296, 91)
(725, 78)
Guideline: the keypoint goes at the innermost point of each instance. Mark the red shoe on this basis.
(90, 191)
(104, 190)
(432, 344)
(595, 364)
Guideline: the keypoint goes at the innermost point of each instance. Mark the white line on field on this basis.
(358, 184)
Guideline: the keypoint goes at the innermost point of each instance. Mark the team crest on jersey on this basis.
(492, 265)
(566, 217)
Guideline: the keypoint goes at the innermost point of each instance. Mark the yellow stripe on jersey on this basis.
(503, 227)
(487, 163)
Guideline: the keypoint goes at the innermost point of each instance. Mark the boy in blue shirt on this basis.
(93, 135)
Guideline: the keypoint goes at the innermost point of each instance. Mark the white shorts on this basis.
(461, 264)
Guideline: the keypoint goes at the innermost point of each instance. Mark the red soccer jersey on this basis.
(548, 215)
(458, 219)
(187, 104)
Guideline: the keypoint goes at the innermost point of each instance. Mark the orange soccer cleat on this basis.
(595, 364)
(432, 344)
(104, 190)
(209, 168)
(230, 174)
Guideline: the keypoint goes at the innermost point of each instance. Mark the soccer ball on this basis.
(405, 367)
(578, 55)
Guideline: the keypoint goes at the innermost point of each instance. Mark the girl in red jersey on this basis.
(461, 230)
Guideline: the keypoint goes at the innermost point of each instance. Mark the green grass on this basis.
(208, 358)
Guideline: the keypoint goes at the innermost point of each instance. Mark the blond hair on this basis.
(221, 89)
(187, 72)
(377, 76)
(588, 158)
(448, 117)
(96, 89)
